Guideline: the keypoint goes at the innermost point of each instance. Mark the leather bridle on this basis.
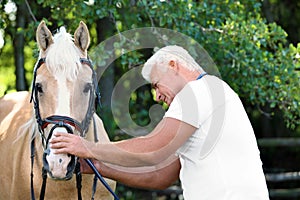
(69, 124)
(64, 121)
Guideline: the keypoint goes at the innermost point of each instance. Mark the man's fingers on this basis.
(60, 137)
(57, 145)
(68, 143)
(60, 151)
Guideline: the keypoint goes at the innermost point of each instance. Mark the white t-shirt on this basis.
(221, 160)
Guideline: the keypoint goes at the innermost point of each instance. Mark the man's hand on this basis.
(63, 143)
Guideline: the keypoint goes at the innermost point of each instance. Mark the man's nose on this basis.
(158, 95)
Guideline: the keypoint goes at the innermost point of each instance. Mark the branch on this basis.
(148, 14)
(268, 115)
(30, 11)
(210, 29)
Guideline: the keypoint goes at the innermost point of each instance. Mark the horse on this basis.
(63, 98)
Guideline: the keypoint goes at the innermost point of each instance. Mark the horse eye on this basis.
(39, 87)
(87, 87)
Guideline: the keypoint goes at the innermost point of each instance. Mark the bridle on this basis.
(61, 121)
(64, 121)
(70, 125)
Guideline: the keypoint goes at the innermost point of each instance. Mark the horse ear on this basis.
(82, 36)
(43, 36)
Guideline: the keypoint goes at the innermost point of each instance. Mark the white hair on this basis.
(63, 57)
(164, 55)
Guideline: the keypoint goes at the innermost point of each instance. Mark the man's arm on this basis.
(158, 179)
(148, 150)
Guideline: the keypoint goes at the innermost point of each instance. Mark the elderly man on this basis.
(205, 138)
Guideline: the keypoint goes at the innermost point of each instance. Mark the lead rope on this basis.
(97, 174)
(31, 173)
(101, 179)
(78, 180)
(44, 174)
(43, 189)
(94, 187)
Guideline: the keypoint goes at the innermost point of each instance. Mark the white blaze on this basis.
(58, 163)
(63, 107)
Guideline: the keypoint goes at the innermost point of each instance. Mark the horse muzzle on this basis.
(59, 166)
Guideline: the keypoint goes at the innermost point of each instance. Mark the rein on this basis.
(67, 123)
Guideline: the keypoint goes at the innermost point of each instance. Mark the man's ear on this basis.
(173, 65)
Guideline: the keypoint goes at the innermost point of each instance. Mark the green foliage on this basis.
(7, 77)
(260, 66)
(285, 13)
(70, 13)
(254, 57)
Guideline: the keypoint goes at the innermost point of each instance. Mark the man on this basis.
(205, 134)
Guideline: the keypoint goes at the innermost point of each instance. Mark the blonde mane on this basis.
(30, 127)
(63, 56)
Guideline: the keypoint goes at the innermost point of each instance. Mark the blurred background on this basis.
(254, 44)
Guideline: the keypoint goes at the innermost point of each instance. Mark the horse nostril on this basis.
(60, 160)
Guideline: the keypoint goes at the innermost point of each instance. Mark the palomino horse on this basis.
(63, 96)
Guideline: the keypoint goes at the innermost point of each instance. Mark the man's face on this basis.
(165, 84)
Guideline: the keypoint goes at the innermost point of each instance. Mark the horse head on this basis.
(63, 91)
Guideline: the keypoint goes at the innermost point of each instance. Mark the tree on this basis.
(253, 56)
(286, 14)
(19, 43)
